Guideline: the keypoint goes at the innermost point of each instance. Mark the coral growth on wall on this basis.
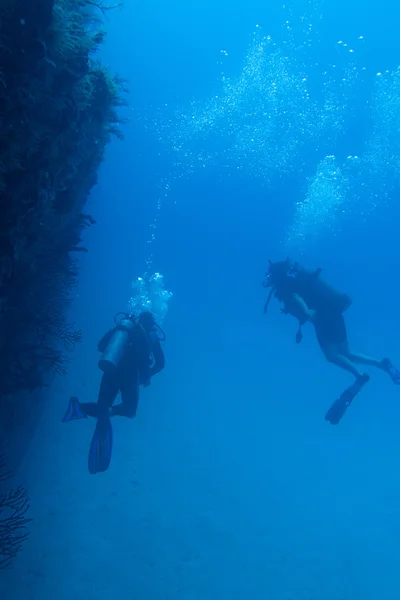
(13, 522)
(58, 111)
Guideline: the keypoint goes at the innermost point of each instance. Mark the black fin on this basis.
(339, 407)
(101, 447)
(74, 411)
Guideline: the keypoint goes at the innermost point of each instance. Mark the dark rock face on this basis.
(57, 113)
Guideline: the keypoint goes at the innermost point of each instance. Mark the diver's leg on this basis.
(330, 329)
(333, 355)
(343, 357)
(362, 359)
(129, 385)
(384, 365)
(109, 388)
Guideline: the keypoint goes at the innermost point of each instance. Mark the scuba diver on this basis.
(308, 298)
(131, 356)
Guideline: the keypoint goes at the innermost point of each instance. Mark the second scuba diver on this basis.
(307, 297)
(131, 356)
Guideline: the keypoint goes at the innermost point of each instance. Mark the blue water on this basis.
(230, 484)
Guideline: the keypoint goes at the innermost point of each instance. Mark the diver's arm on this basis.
(159, 358)
(309, 314)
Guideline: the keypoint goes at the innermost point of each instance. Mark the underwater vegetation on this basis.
(13, 524)
(58, 109)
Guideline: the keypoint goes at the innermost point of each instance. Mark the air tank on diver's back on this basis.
(114, 344)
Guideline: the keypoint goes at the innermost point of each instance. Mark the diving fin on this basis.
(74, 411)
(339, 407)
(391, 370)
(101, 446)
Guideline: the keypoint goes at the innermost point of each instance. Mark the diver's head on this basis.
(276, 273)
(147, 320)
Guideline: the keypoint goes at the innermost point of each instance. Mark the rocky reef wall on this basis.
(58, 110)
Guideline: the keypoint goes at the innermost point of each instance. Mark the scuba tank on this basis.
(128, 331)
(317, 293)
(286, 278)
(115, 343)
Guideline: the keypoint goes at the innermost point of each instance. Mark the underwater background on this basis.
(257, 131)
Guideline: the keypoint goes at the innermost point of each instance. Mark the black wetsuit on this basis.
(329, 324)
(143, 359)
(330, 328)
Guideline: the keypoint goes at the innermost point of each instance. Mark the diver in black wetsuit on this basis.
(308, 298)
(131, 356)
(134, 369)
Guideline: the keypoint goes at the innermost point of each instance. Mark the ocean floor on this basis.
(250, 503)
